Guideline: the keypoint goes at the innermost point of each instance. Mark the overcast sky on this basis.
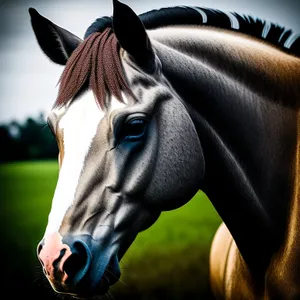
(28, 79)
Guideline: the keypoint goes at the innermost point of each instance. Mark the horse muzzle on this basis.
(79, 265)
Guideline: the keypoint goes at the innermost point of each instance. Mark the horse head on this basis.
(128, 150)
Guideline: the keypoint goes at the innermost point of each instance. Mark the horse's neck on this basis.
(252, 64)
(248, 136)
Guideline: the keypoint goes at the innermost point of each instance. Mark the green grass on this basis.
(167, 261)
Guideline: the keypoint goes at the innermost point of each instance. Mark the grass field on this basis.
(167, 261)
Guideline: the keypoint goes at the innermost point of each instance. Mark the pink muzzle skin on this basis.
(52, 253)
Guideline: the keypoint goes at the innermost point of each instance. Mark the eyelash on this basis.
(51, 128)
(134, 129)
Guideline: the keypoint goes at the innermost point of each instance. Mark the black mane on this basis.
(192, 15)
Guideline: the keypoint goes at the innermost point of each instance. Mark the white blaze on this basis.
(79, 125)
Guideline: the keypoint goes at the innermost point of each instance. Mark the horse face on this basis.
(96, 210)
(119, 168)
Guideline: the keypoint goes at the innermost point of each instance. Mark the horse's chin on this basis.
(91, 287)
(84, 295)
(91, 294)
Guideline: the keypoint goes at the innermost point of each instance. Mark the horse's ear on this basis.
(56, 42)
(132, 36)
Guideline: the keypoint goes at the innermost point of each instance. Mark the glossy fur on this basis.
(209, 108)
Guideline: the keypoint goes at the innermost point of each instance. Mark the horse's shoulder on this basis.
(229, 275)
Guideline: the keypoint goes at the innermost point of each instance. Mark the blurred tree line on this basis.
(31, 140)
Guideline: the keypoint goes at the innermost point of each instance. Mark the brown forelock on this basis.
(96, 61)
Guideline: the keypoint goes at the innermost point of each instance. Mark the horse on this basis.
(151, 109)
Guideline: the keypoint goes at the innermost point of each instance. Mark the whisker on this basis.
(110, 296)
(120, 280)
(126, 266)
(131, 272)
(44, 127)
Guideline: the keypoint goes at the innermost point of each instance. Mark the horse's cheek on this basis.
(179, 164)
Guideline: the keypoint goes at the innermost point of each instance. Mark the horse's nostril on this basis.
(39, 248)
(78, 263)
(74, 264)
(57, 261)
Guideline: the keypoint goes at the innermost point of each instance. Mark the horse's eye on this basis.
(134, 129)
